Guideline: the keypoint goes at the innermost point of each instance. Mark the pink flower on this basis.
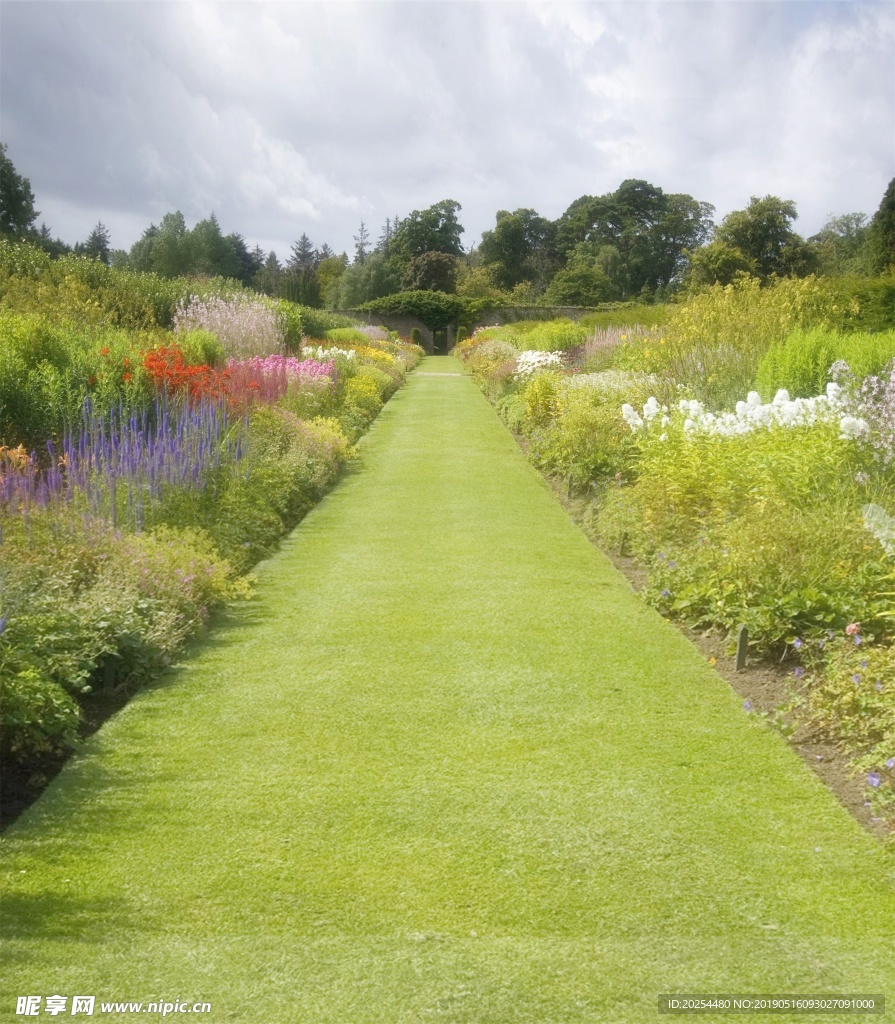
(853, 628)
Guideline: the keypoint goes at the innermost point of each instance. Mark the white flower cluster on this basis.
(323, 355)
(878, 522)
(753, 414)
(530, 362)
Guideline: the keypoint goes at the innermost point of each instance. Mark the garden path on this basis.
(444, 766)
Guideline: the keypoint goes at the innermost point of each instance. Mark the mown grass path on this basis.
(445, 766)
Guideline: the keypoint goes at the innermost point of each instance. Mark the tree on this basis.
(763, 234)
(882, 232)
(17, 213)
(267, 279)
(54, 246)
(362, 282)
(584, 280)
(300, 284)
(97, 244)
(685, 224)
(719, 263)
(385, 236)
(648, 230)
(211, 254)
(519, 248)
(328, 274)
(249, 262)
(435, 229)
(165, 249)
(303, 254)
(841, 244)
(140, 257)
(431, 271)
(361, 243)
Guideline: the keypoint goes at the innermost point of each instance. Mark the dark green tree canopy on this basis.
(97, 244)
(882, 231)
(303, 254)
(649, 230)
(519, 248)
(431, 271)
(842, 243)
(17, 213)
(763, 234)
(435, 229)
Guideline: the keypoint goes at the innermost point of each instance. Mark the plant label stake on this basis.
(742, 647)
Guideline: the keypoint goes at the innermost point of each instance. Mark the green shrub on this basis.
(435, 309)
(200, 347)
(801, 362)
(585, 441)
(351, 335)
(315, 323)
(36, 715)
(416, 336)
(552, 335)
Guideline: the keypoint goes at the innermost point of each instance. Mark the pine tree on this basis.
(361, 244)
(303, 254)
(97, 244)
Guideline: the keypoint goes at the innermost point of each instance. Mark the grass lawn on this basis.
(445, 766)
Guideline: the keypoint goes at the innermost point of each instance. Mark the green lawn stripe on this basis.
(444, 766)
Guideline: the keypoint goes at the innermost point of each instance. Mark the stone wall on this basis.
(403, 323)
(509, 315)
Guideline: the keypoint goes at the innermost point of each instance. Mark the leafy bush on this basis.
(36, 715)
(435, 309)
(849, 696)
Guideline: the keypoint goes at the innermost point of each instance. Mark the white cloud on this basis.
(291, 117)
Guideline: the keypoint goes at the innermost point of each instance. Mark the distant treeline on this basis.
(638, 242)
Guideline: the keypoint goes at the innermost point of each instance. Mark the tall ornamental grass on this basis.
(803, 360)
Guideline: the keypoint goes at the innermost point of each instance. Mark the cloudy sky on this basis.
(297, 117)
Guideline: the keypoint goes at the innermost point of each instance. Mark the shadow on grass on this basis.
(23, 782)
(62, 916)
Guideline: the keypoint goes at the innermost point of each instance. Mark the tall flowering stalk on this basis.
(121, 465)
